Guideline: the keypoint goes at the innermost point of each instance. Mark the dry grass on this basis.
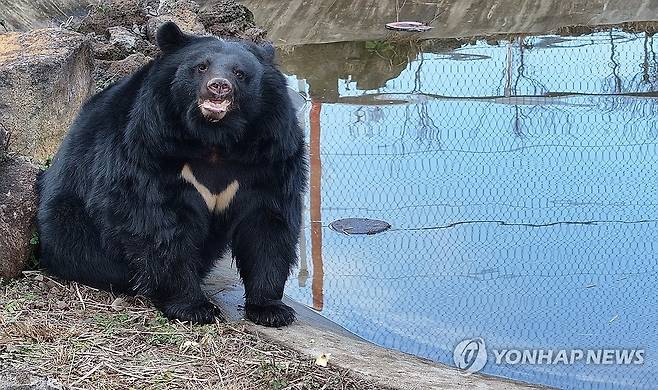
(86, 338)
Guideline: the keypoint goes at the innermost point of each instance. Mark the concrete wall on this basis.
(314, 21)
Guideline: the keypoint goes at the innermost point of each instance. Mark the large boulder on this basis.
(183, 12)
(45, 76)
(230, 18)
(18, 206)
(108, 72)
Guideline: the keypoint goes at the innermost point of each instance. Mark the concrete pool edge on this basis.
(314, 335)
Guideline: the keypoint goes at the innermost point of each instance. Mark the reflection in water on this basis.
(366, 65)
(315, 206)
(520, 180)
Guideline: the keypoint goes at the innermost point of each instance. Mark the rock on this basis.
(107, 72)
(4, 142)
(45, 76)
(109, 50)
(118, 28)
(123, 39)
(182, 12)
(18, 206)
(30, 383)
(254, 34)
(119, 44)
(113, 13)
(123, 32)
(104, 51)
(229, 18)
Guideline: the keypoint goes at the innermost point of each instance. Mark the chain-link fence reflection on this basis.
(520, 180)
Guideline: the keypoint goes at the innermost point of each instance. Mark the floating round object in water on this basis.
(407, 26)
(359, 226)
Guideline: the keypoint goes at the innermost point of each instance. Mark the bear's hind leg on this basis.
(71, 246)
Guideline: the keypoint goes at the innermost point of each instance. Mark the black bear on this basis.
(197, 152)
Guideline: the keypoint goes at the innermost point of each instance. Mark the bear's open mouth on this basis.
(214, 109)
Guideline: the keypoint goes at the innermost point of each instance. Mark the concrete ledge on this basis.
(314, 335)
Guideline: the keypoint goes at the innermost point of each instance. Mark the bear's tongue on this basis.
(216, 105)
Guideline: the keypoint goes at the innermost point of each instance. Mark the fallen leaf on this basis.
(323, 360)
(187, 345)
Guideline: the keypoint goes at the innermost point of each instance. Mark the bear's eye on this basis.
(202, 67)
(239, 74)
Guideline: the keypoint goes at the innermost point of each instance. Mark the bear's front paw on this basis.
(274, 314)
(197, 313)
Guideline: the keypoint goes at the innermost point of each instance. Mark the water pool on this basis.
(521, 182)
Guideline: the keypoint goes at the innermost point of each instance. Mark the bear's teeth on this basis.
(217, 107)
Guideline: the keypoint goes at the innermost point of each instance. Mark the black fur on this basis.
(116, 214)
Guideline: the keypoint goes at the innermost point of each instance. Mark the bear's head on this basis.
(217, 87)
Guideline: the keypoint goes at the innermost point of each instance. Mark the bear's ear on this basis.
(264, 51)
(268, 51)
(169, 37)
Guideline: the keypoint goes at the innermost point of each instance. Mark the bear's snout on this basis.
(220, 87)
(217, 100)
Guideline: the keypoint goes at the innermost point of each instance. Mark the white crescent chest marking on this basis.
(215, 202)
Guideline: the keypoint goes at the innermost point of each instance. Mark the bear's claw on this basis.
(273, 314)
(201, 313)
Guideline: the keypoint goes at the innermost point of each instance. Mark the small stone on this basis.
(61, 305)
(51, 284)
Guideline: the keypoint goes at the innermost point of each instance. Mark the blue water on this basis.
(521, 183)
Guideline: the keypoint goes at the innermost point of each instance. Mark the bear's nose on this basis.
(220, 87)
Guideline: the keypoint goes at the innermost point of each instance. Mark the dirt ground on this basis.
(81, 337)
